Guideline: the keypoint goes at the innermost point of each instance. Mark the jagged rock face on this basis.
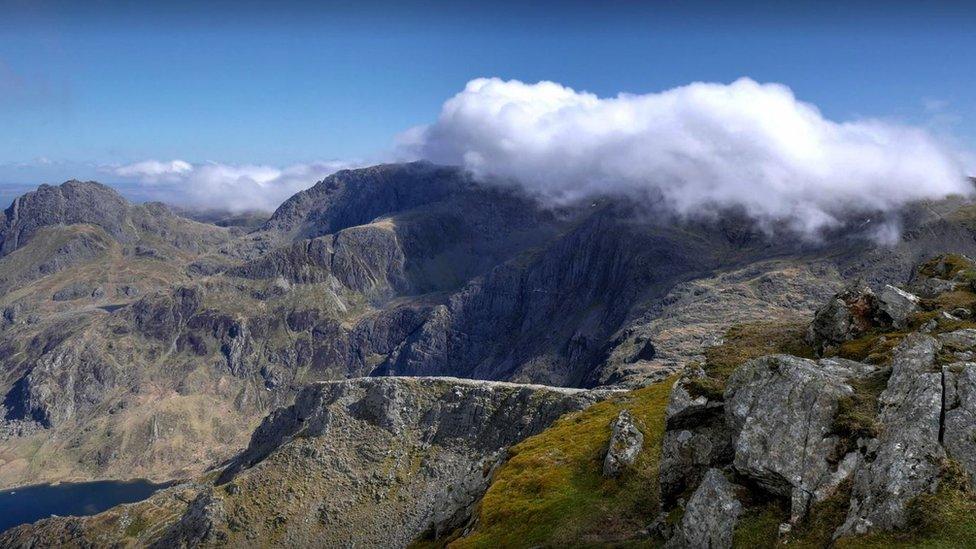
(710, 517)
(549, 319)
(366, 462)
(392, 458)
(366, 259)
(781, 409)
(907, 457)
(626, 441)
(72, 380)
(199, 525)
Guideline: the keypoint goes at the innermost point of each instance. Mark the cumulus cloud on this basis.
(698, 149)
(223, 186)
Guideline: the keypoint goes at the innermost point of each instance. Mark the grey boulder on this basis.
(908, 454)
(897, 304)
(959, 429)
(710, 517)
(696, 438)
(781, 410)
(626, 441)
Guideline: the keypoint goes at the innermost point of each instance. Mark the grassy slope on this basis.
(552, 491)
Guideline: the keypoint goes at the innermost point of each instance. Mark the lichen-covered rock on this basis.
(626, 441)
(710, 516)
(687, 409)
(848, 315)
(781, 409)
(959, 427)
(959, 340)
(940, 274)
(696, 438)
(898, 305)
(908, 454)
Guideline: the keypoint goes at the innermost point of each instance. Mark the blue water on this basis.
(31, 503)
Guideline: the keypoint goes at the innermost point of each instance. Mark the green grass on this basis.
(857, 415)
(759, 526)
(817, 529)
(552, 492)
(744, 342)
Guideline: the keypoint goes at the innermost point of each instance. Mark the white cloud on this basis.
(154, 170)
(223, 186)
(699, 149)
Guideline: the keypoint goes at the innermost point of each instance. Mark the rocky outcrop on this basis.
(943, 273)
(366, 259)
(781, 409)
(391, 458)
(710, 516)
(163, 315)
(906, 458)
(848, 315)
(199, 525)
(857, 309)
(66, 382)
(626, 441)
(959, 423)
(959, 340)
(696, 438)
(897, 305)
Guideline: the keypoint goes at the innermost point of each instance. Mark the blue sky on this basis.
(92, 84)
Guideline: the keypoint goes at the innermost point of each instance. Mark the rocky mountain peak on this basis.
(66, 204)
(354, 197)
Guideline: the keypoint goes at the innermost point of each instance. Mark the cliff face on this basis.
(373, 461)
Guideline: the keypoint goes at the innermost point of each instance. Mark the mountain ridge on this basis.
(119, 356)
